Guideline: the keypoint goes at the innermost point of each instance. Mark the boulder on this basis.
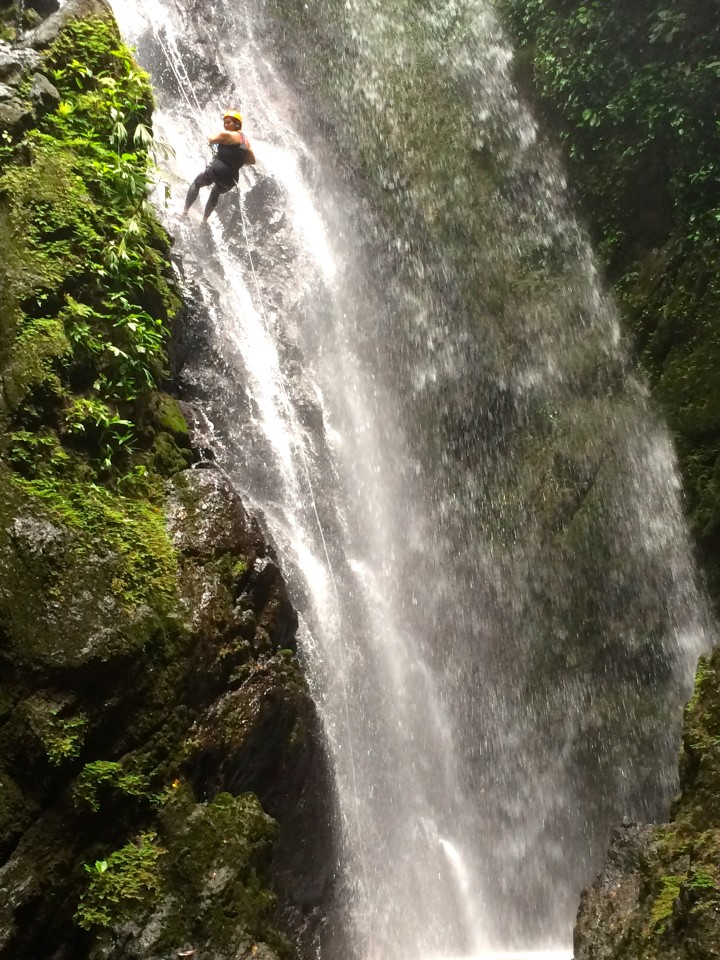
(42, 93)
(44, 7)
(14, 113)
(47, 32)
(15, 63)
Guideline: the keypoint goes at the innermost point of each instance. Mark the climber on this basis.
(233, 152)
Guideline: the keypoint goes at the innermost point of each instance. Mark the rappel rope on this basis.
(177, 66)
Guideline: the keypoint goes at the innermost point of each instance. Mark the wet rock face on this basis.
(211, 703)
(611, 903)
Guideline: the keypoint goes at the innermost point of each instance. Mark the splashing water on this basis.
(416, 376)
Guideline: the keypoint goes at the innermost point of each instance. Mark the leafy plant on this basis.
(86, 241)
(667, 24)
(63, 737)
(119, 884)
(702, 880)
(106, 777)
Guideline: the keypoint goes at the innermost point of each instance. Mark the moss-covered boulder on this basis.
(194, 887)
(658, 897)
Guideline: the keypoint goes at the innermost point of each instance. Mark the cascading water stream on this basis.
(489, 675)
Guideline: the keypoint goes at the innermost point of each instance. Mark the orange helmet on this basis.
(234, 115)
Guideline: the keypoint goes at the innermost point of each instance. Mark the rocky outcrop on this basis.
(159, 751)
(50, 29)
(658, 897)
(125, 728)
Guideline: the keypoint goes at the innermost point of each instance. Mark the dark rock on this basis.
(610, 905)
(14, 63)
(658, 897)
(253, 732)
(42, 93)
(26, 884)
(48, 31)
(262, 201)
(14, 113)
(38, 538)
(208, 903)
(15, 814)
(6, 92)
(206, 516)
(44, 7)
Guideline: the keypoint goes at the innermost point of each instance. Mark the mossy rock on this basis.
(134, 593)
(699, 803)
(164, 411)
(67, 600)
(207, 888)
(253, 732)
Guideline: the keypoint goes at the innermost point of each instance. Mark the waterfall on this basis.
(428, 399)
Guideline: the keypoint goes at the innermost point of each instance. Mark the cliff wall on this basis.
(158, 746)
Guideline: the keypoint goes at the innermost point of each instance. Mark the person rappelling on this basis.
(233, 152)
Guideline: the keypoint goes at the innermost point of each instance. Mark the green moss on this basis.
(664, 902)
(166, 457)
(60, 729)
(36, 453)
(145, 564)
(64, 737)
(216, 873)
(103, 778)
(8, 19)
(37, 350)
(702, 674)
(121, 885)
(41, 201)
(166, 413)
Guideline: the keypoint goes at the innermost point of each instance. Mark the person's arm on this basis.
(225, 136)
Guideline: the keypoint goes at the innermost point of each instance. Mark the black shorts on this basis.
(220, 174)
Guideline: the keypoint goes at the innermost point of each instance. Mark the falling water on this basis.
(413, 372)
